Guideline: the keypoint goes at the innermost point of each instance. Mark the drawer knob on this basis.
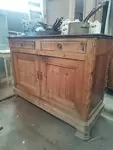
(59, 46)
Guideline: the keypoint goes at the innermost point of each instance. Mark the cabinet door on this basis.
(99, 80)
(62, 81)
(110, 75)
(25, 70)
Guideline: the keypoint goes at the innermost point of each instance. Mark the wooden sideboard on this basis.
(64, 75)
(110, 72)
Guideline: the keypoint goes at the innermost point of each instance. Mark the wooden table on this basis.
(5, 54)
(64, 75)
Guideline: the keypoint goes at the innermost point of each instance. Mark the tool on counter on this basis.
(57, 23)
(83, 27)
(104, 5)
(94, 10)
(39, 28)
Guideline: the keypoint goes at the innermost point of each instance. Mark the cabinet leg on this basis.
(83, 136)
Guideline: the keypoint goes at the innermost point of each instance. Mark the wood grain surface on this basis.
(67, 74)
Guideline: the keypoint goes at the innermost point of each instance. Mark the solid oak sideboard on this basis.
(63, 75)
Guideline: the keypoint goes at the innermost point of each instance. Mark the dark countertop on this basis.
(63, 36)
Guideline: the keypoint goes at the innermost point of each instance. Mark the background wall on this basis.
(56, 9)
(88, 6)
(9, 20)
(14, 19)
(3, 37)
(79, 9)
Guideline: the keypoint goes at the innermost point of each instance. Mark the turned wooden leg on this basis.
(83, 136)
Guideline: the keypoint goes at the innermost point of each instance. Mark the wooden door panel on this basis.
(110, 75)
(62, 81)
(99, 80)
(26, 67)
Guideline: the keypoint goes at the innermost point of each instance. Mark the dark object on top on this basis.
(57, 24)
(53, 30)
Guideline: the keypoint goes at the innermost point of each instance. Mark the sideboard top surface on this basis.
(63, 36)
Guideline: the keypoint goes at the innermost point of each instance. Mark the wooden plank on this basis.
(26, 72)
(62, 55)
(101, 46)
(62, 81)
(26, 43)
(110, 74)
(71, 47)
(20, 50)
(112, 17)
(100, 73)
(88, 71)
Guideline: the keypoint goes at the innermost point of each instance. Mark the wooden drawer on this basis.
(65, 46)
(23, 44)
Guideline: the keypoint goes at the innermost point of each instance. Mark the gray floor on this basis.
(26, 127)
(108, 101)
(6, 91)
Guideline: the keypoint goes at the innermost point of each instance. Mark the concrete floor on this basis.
(26, 127)
(6, 91)
(108, 101)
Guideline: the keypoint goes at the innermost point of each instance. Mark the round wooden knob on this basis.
(59, 46)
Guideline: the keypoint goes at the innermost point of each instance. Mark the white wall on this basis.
(14, 5)
(88, 6)
(79, 9)
(56, 9)
(59, 8)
